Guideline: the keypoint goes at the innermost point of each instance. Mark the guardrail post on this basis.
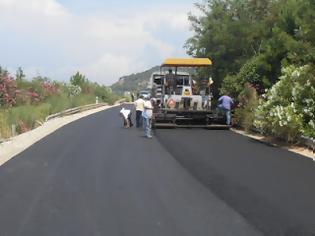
(13, 130)
(96, 100)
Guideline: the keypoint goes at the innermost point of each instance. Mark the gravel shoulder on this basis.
(19, 143)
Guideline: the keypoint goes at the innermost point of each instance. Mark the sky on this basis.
(103, 39)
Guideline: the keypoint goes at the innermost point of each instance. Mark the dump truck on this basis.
(178, 103)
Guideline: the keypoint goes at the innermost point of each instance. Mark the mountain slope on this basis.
(139, 81)
(134, 82)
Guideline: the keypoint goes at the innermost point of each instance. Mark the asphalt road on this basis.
(93, 177)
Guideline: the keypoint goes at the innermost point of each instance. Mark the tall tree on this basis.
(80, 80)
(229, 33)
(260, 35)
(19, 74)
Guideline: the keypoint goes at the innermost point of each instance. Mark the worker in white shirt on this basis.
(147, 117)
(139, 105)
(126, 115)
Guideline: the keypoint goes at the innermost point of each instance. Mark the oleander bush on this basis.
(8, 90)
(287, 110)
(26, 103)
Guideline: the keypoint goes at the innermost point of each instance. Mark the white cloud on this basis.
(112, 65)
(104, 47)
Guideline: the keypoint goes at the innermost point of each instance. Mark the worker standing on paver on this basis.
(132, 97)
(170, 82)
(139, 106)
(147, 117)
(225, 104)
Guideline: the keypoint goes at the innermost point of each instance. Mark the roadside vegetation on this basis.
(263, 53)
(26, 103)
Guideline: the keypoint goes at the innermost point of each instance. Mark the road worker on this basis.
(147, 117)
(139, 106)
(126, 115)
(225, 104)
(170, 82)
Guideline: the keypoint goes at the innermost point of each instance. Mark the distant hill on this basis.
(134, 82)
(138, 81)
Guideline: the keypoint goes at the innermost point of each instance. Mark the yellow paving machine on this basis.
(180, 101)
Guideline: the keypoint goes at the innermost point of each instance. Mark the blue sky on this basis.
(102, 39)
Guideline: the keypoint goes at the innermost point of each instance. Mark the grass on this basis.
(4, 125)
(27, 117)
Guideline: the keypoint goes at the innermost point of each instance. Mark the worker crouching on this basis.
(126, 115)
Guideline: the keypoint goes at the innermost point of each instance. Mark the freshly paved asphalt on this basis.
(273, 189)
(93, 177)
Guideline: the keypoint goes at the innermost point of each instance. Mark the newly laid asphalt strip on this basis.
(93, 177)
(272, 188)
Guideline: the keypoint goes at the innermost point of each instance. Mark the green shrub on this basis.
(231, 85)
(25, 117)
(4, 126)
(244, 114)
(288, 109)
(58, 103)
(73, 90)
(252, 72)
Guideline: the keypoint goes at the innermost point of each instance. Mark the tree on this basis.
(255, 36)
(229, 32)
(78, 79)
(19, 74)
(81, 81)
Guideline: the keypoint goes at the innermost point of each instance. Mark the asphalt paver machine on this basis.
(179, 104)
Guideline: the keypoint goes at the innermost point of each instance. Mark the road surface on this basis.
(93, 177)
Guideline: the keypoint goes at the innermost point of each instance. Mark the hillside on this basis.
(138, 81)
(133, 82)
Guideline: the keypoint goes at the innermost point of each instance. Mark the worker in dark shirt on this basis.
(170, 83)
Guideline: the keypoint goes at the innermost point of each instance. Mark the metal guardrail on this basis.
(80, 109)
(74, 110)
